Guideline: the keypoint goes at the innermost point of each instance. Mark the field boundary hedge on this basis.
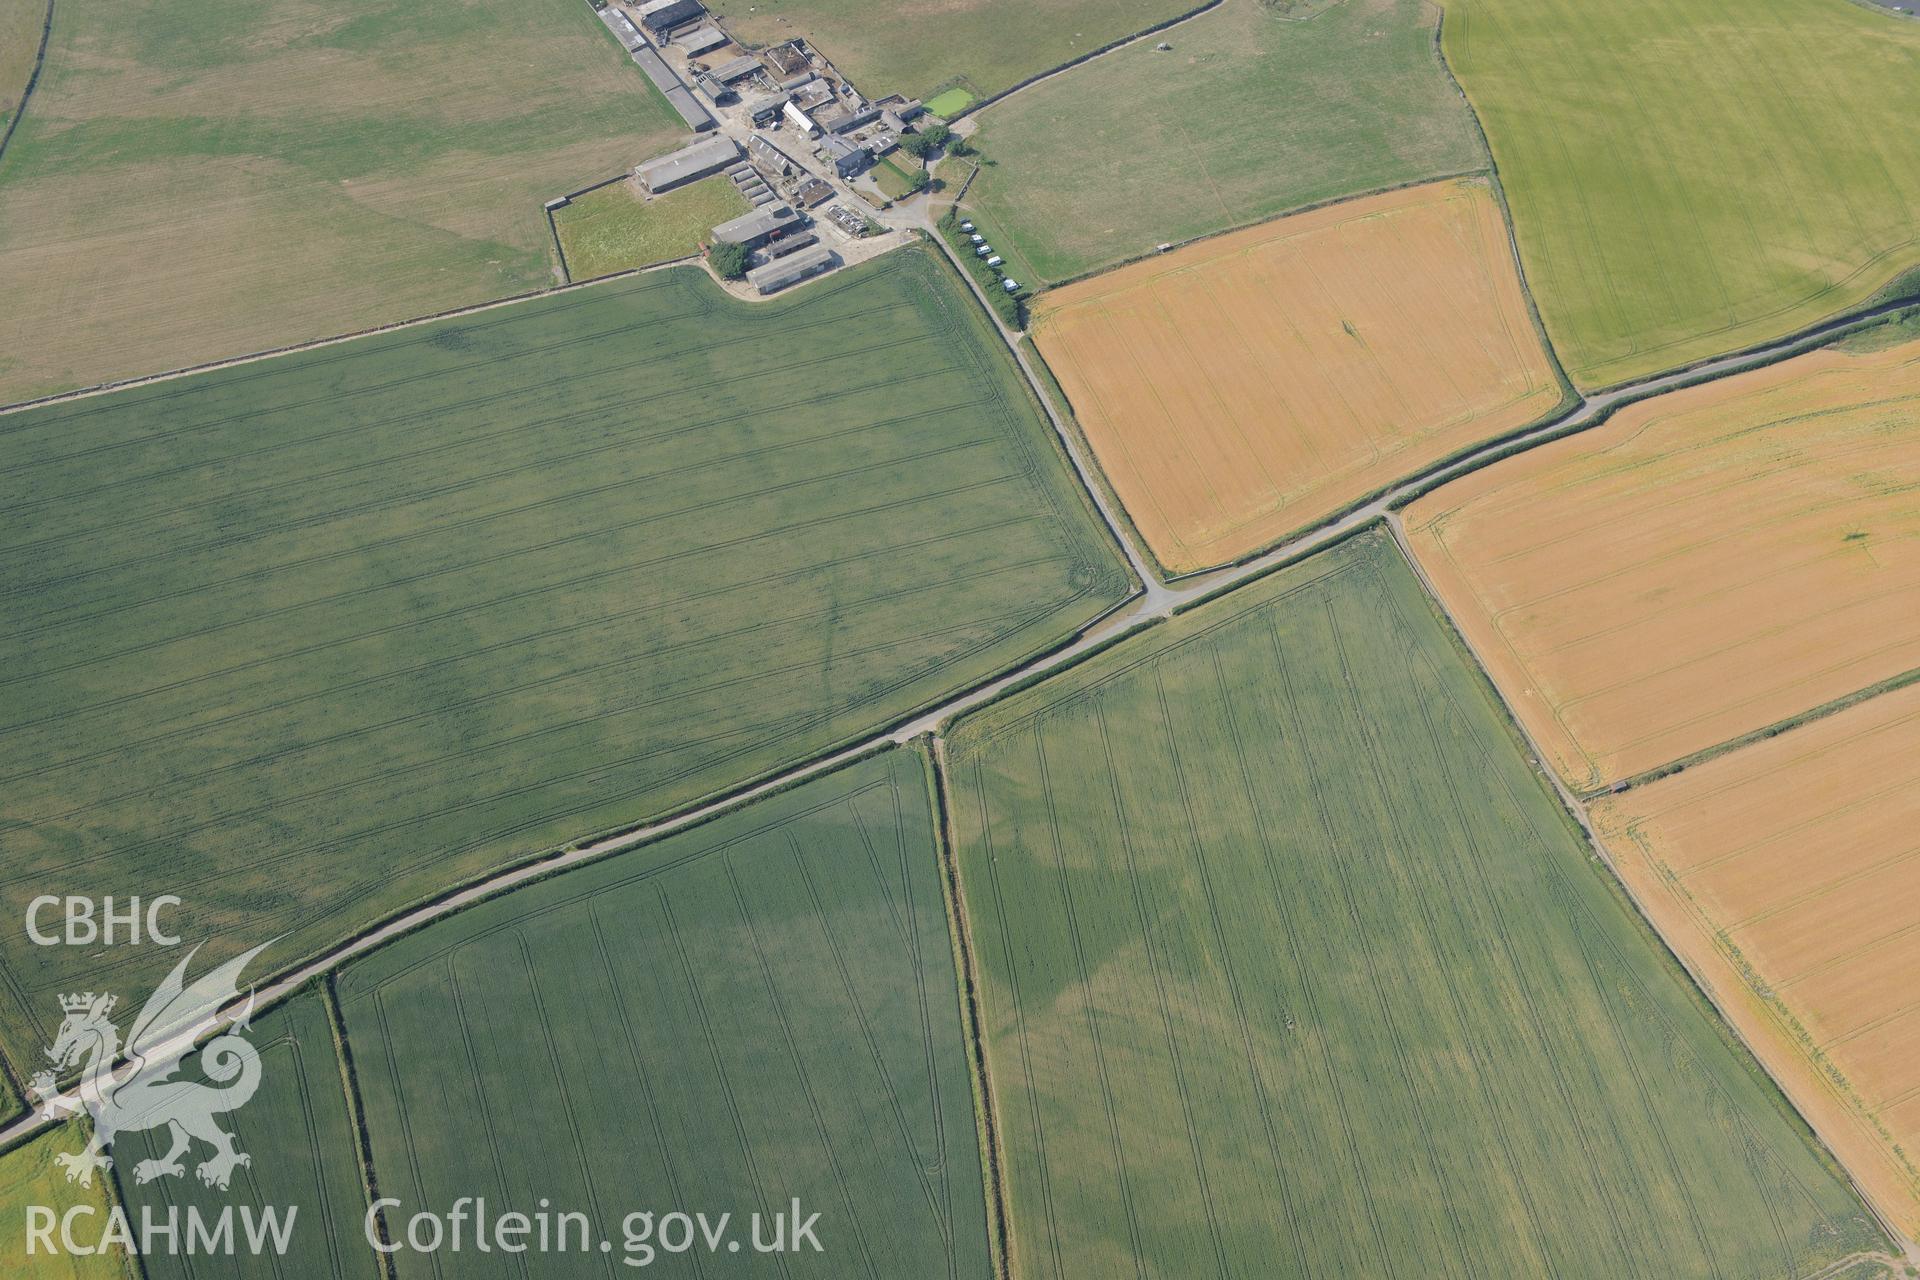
(226, 362)
(986, 1113)
(1011, 308)
(1811, 339)
(33, 78)
(1831, 707)
(1119, 528)
(356, 1112)
(1506, 210)
(1900, 292)
(1312, 207)
(980, 103)
(553, 228)
(1063, 406)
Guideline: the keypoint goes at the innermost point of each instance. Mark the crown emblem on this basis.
(82, 1001)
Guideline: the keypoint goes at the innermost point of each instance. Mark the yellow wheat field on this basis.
(1706, 564)
(1787, 874)
(1251, 385)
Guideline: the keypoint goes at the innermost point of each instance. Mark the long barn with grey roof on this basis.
(661, 15)
(752, 229)
(702, 41)
(791, 270)
(735, 69)
(698, 118)
(623, 29)
(676, 169)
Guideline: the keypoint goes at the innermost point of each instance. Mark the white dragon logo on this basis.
(140, 1093)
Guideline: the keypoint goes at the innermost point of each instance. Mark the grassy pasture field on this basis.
(300, 1136)
(613, 229)
(203, 178)
(1691, 179)
(309, 639)
(21, 22)
(1786, 873)
(1289, 965)
(912, 49)
(1256, 383)
(758, 1009)
(28, 1176)
(1705, 564)
(894, 178)
(1251, 114)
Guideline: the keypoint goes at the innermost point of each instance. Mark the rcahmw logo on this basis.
(130, 1086)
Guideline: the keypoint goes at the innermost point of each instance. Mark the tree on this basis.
(916, 145)
(936, 134)
(918, 180)
(729, 260)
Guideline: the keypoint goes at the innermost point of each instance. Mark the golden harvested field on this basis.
(1787, 874)
(1251, 385)
(1706, 564)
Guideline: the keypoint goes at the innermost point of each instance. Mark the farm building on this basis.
(768, 157)
(788, 245)
(848, 158)
(678, 168)
(787, 59)
(765, 110)
(736, 69)
(813, 192)
(677, 94)
(623, 29)
(756, 228)
(854, 118)
(698, 118)
(662, 15)
(702, 40)
(789, 271)
(798, 118)
(812, 93)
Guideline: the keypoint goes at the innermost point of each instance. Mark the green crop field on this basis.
(307, 640)
(757, 1010)
(1250, 114)
(304, 1166)
(204, 178)
(913, 49)
(1690, 179)
(29, 1177)
(1289, 965)
(613, 229)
